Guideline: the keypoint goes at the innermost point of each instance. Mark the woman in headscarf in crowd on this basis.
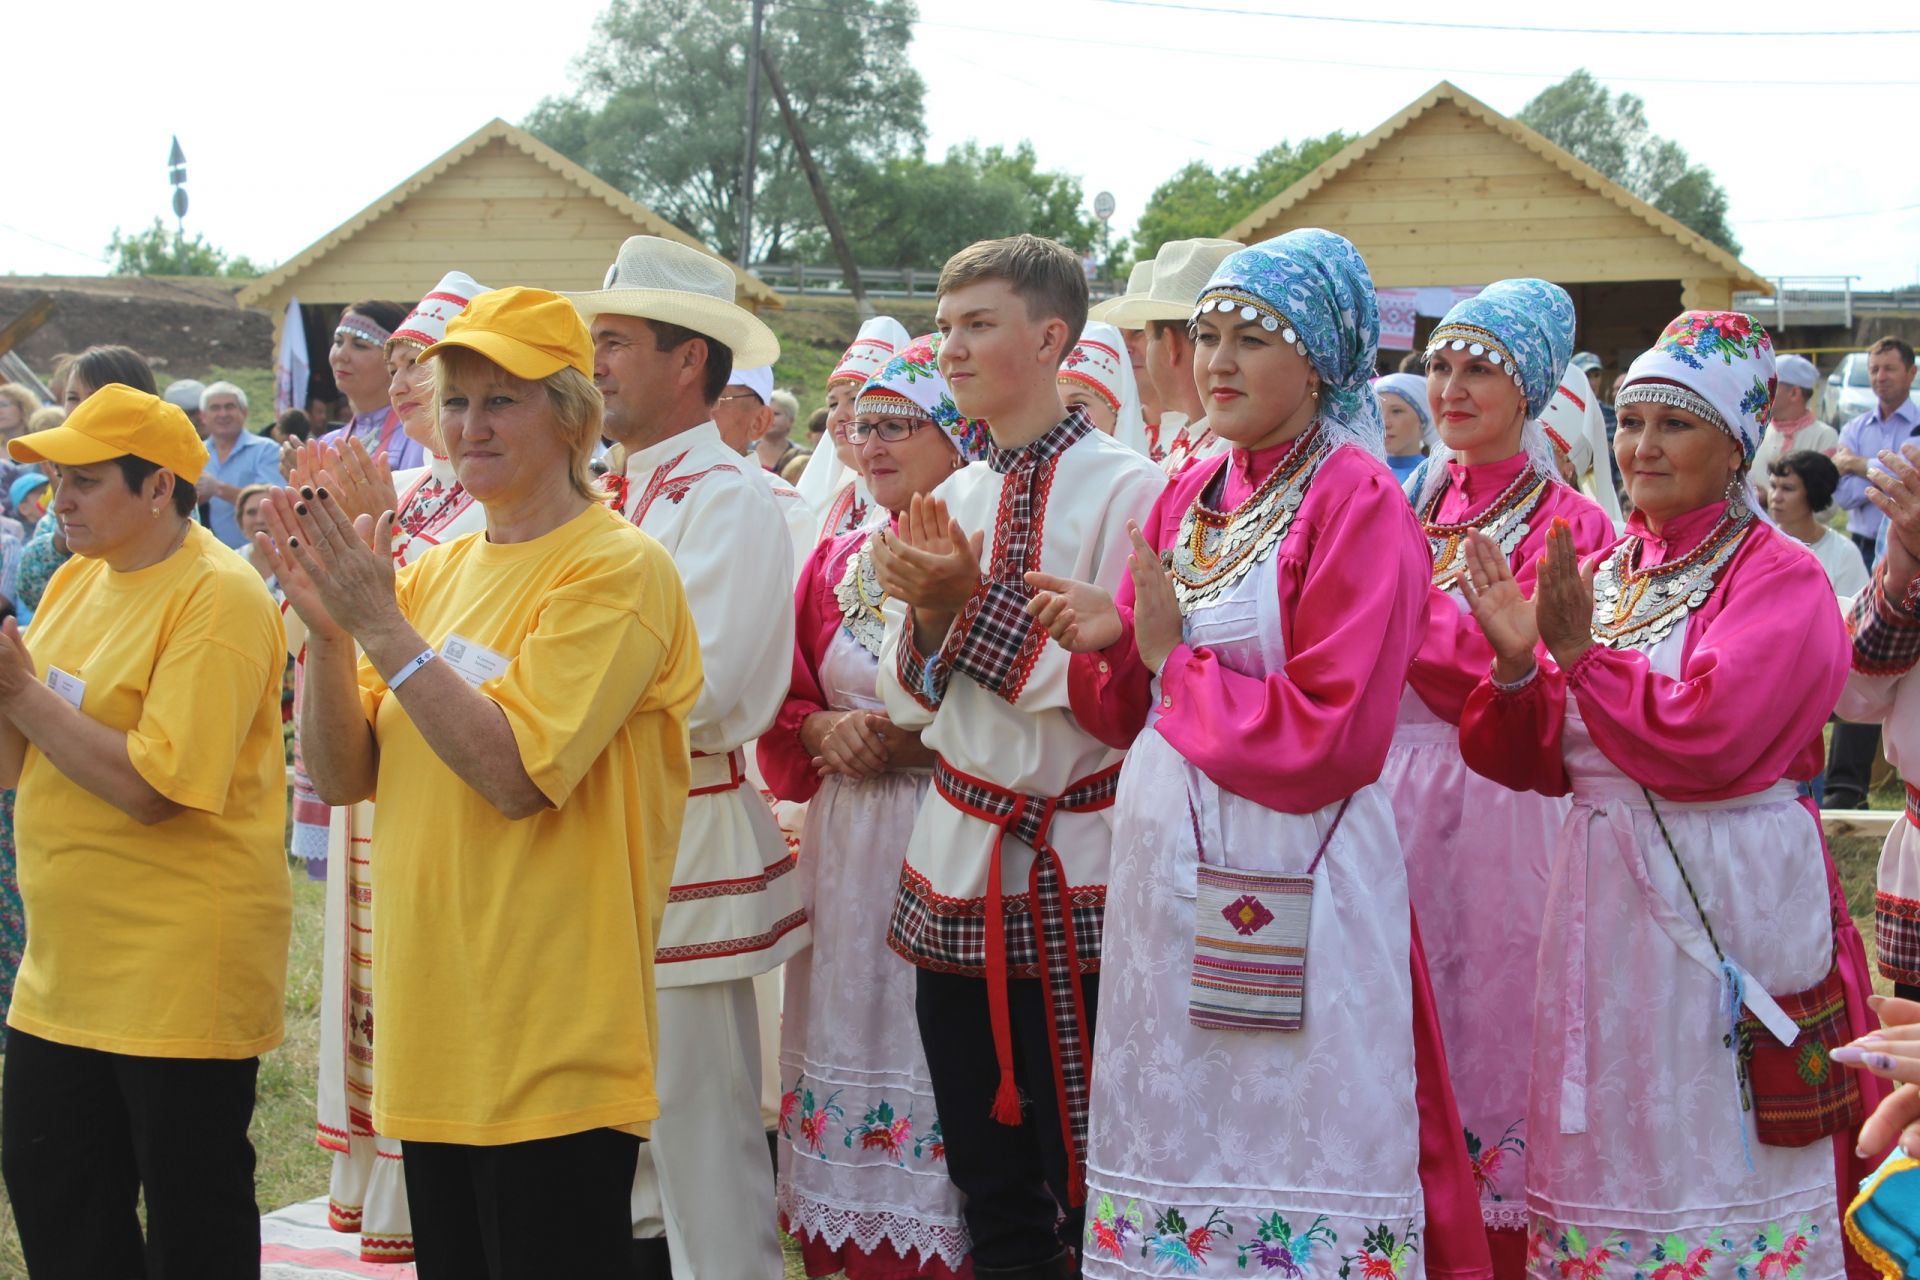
(1582, 449)
(1405, 420)
(358, 362)
(1254, 681)
(1098, 377)
(875, 1200)
(832, 484)
(1793, 427)
(1698, 962)
(367, 1192)
(1476, 853)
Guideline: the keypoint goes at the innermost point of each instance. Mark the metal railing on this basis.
(1802, 300)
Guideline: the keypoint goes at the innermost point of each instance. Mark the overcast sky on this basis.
(294, 118)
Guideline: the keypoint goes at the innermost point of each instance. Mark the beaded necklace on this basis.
(1215, 549)
(1507, 522)
(861, 599)
(1634, 608)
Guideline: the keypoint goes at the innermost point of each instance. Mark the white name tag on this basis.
(476, 663)
(70, 687)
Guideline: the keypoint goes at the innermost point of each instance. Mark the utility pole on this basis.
(753, 134)
(848, 267)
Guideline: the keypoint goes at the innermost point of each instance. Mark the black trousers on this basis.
(83, 1133)
(1850, 758)
(1015, 1177)
(549, 1207)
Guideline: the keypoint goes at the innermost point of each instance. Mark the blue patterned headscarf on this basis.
(1526, 326)
(1312, 288)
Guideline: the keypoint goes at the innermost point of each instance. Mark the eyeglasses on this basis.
(891, 430)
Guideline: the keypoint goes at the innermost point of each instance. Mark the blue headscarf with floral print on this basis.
(911, 385)
(1314, 286)
(1526, 325)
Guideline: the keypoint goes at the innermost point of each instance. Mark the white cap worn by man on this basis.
(666, 334)
(1180, 271)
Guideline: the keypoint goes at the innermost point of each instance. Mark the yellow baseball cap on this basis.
(531, 333)
(113, 422)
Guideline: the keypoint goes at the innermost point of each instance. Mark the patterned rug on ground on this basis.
(297, 1244)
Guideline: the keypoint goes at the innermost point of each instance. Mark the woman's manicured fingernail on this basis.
(1848, 1056)
(293, 542)
(306, 491)
(301, 507)
(1860, 1153)
(323, 493)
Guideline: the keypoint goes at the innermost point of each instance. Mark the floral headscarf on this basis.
(910, 386)
(1525, 325)
(1099, 361)
(1717, 365)
(1312, 288)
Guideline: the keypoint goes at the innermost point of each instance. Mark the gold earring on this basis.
(155, 513)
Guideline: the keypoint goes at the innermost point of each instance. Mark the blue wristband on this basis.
(405, 673)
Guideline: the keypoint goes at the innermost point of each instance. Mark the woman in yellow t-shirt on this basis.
(521, 711)
(144, 731)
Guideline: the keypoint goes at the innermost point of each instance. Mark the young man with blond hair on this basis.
(1003, 891)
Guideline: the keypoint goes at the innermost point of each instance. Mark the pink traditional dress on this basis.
(1639, 1151)
(863, 1183)
(1690, 884)
(1477, 854)
(366, 1192)
(1238, 1145)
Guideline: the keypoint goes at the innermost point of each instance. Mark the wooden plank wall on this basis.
(1449, 201)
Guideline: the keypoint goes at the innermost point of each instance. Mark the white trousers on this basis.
(704, 1180)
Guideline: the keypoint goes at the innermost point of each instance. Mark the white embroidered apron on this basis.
(862, 1155)
(1638, 1149)
(1236, 1153)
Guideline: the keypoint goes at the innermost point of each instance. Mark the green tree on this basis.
(1199, 202)
(1610, 132)
(661, 110)
(907, 211)
(157, 251)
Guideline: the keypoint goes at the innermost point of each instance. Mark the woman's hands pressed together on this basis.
(860, 744)
(337, 572)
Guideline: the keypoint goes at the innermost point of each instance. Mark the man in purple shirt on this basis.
(1885, 426)
(1854, 747)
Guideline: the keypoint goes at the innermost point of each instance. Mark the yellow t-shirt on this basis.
(167, 940)
(513, 961)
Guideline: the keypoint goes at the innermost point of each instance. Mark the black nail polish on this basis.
(306, 491)
(293, 542)
(301, 507)
(323, 493)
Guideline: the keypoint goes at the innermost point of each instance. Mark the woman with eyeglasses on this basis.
(858, 1127)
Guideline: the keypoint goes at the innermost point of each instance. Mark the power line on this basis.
(1490, 26)
(1084, 41)
(1828, 217)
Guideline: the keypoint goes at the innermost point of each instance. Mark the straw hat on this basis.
(1139, 284)
(1180, 272)
(664, 280)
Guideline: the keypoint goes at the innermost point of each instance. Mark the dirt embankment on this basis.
(185, 326)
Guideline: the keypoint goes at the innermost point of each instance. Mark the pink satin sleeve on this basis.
(1110, 691)
(1513, 736)
(1733, 723)
(1352, 577)
(1454, 655)
(785, 763)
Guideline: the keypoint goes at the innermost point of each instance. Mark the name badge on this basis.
(476, 663)
(70, 687)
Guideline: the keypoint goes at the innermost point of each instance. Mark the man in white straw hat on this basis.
(1180, 271)
(1139, 284)
(666, 334)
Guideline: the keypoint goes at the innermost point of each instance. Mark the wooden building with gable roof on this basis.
(501, 205)
(1449, 192)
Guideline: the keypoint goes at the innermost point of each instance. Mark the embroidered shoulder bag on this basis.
(1250, 942)
(1795, 1092)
